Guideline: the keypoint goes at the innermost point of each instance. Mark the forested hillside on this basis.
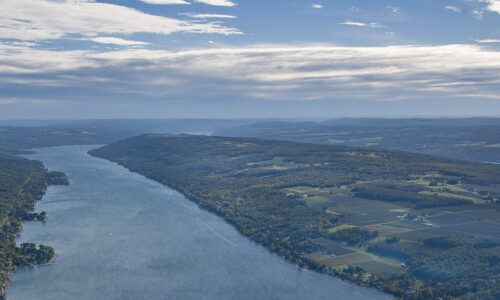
(22, 183)
(18, 139)
(380, 218)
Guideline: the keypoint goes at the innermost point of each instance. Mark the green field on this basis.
(341, 227)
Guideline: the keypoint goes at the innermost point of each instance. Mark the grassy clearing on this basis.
(344, 260)
(453, 195)
(364, 206)
(301, 190)
(341, 227)
(385, 230)
(440, 187)
(416, 236)
(332, 247)
(315, 200)
(345, 211)
(380, 269)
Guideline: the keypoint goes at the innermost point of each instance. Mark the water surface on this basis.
(121, 236)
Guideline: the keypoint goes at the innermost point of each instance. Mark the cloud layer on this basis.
(33, 20)
(260, 72)
(40, 63)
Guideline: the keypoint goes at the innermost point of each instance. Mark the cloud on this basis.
(227, 3)
(317, 6)
(395, 9)
(117, 41)
(478, 13)
(33, 20)
(208, 16)
(493, 5)
(361, 24)
(453, 8)
(272, 72)
(488, 41)
(168, 2)
(8, 101)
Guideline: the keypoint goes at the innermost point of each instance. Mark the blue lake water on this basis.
(121, 236)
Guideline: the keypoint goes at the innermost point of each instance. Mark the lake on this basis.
(118, 235)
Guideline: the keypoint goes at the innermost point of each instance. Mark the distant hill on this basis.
(142, 126)
(389, 122)
(17, 135)
(474, 139)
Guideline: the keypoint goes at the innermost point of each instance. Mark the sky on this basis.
(77, 59)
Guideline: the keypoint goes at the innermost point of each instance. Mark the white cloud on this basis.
(272, 72)
(208, 16)
(117, 41)
(395, 9)
(361, 24)
(488, 41)
(168, 2)
(493, 5)
(8, 101)
(317, 6)
(478, 13)
(453, 8)
(227, 3)
(33, 20)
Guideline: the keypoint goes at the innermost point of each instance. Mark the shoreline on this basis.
(50, 179)
(299, 261)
